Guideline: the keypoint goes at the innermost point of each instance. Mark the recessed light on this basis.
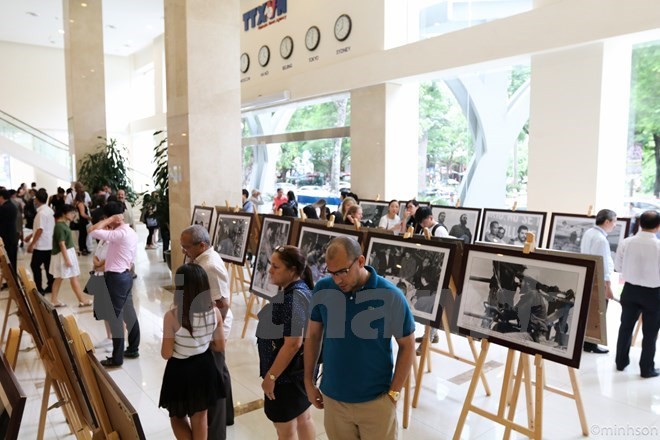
(32, 14)
(84, 5)
(71, 20)
(61, 31)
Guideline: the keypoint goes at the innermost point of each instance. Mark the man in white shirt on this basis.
(41, 241)
(424, 218)
(638, 260)
(76, 188)
(594, 242)
(196, 244)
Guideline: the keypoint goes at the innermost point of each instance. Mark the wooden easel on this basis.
(418, 370)
(238, 282)
(511, 389)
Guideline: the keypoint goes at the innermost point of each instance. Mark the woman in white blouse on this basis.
(391, 221)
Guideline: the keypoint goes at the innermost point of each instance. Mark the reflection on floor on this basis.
(618, 405)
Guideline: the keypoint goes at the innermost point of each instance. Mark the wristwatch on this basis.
(394, 395)
(272, 377)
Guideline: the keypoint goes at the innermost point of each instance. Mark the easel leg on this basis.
(578, 401)
(516, 392)
(44, 408)
(248, 313)
(241, 281)
(538, 413)
(506, 382)
(528, 394)
(473, 386)
(476, 356)
(422, 363)
(4, 324)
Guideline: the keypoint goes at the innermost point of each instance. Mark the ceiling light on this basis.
(61, 31)
(71, 20)
(32, 14)
(84, 5)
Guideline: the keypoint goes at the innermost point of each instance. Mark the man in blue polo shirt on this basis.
(355, 314)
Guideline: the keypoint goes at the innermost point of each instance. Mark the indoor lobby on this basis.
(504, 104)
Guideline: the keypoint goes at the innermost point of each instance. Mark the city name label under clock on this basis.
(343, 50)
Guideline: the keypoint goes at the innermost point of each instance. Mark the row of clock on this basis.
(343, 26)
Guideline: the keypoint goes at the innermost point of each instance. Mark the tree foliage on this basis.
(645, 99)
(161, 178)
(107, 167)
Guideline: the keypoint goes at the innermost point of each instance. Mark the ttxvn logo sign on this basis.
(264, 15)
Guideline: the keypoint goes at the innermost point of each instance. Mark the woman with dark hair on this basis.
(83, 220)
(280, 341)
(63, 260)
(191, 382)
(293, 203)
(391, 220)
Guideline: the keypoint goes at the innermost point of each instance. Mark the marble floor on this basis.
(617, 404)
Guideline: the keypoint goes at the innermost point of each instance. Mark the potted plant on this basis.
(107, 167)
(160, 197)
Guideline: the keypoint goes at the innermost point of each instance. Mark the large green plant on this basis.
(161, 182)
(107, 167)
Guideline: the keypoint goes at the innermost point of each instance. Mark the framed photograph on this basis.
(313, 240)
(461, 223)
(372, 211)
(532, 303)
(230, 238)
(418, 267)
(275, 231)
(202, 215)
(402, 207)
(566, 231)
(12, 402)
(511, 227)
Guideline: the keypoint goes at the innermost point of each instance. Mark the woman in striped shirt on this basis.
(193, 327)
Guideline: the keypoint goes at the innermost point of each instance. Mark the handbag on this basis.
(152, 222)
(95, 284)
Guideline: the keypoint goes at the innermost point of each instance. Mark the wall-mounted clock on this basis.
(343, 27)
(264, 56)
(312, 38)
(245, 62)
(286, 47)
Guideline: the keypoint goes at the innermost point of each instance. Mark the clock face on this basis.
(286, 47)
(312, 38)
(264, 56)
(245, 62)
(343, 27)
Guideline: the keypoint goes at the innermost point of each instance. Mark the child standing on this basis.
(191, 383)
(64, 262)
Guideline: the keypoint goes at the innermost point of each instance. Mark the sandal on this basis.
(85, 304)
(59, 304)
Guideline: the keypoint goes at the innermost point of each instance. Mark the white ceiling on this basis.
(128, 25)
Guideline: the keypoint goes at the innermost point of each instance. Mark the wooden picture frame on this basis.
(231, 234)
(566, 232)
(12, 401)
(373, 210)
(275, 231)
(467, 232)
(202, 215)
(313, 239)
(533, 303)
(512, 225)
(420, 268)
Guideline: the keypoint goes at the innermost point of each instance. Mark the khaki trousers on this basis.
(373, 420)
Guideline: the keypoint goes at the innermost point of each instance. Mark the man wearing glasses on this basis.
(355, 313)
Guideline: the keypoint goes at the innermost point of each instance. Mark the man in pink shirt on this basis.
(122, 245)
(279, 199)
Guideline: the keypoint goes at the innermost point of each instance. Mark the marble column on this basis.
(202, 49)
(85, 76)
(578, 128)
(384, 141)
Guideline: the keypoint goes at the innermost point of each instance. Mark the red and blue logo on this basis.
(265, 14)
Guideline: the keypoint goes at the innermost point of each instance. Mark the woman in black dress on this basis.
(280, 341)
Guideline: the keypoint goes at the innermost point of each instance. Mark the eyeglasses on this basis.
(342, 272)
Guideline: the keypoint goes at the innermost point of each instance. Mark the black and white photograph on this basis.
(202, 215)
(402, 207)
(566, 231)
(313, 241)
(418, 267)
(372, 211)
(231, 236)
(533, 303)
(275, 232)
(460, 223)
(511, 227)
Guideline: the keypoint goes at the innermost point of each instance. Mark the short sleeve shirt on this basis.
(357, 339)
(61, 232)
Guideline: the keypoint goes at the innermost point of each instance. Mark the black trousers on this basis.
(636, 300)
(119, 286)
(222, 413)
(41, 258)
(12, 255)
